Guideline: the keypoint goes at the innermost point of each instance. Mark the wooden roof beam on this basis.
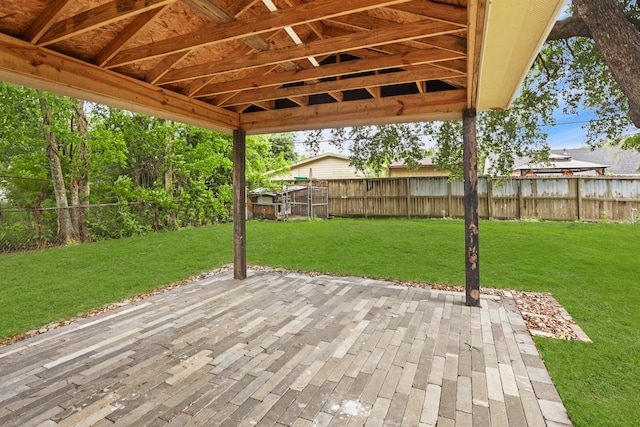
(374, 91)
(218, 15)
(141, 22)
(214, 34)
(373, 63)
(338, 96)
(164, 66)
(45, 20)
(363, 21)
(211, 10)
(385, 79)
(454, 65)
(98, 17)
(293, 35)
(25, 64)
(458, 82)
(450, 42)
(266, 105)
(199, 83)
(360, 40)
(302, 101)
(476, 12)
(360, 21)
(442, 12)
(445, 105)
(238, 7)
(315, 26)
(453, 43)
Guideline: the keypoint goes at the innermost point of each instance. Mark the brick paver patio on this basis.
(284, 349)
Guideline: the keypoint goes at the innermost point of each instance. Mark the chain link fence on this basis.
(24, 229)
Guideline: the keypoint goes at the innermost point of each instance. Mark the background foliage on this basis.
(145, 173)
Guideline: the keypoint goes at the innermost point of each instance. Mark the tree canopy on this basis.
(590, 63)
(58, 151)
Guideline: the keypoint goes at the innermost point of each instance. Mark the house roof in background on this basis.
(320, 157)
(555, 164)
(425, 161)
(277, 65)
(616, 160)
(309, 161)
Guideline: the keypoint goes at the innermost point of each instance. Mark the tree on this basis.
(44, 141)
(65, 226)
(590, 62)
(614, 27)
(282, 146)
(79, 186)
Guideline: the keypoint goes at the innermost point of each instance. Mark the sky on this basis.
(568, 131)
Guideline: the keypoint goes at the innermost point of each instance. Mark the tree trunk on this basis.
(81, 178)
(169, 153)
(36, 209)
(75, 206)
(619, 43)
(65, 227)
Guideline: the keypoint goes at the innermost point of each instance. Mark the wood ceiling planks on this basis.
(248, 56)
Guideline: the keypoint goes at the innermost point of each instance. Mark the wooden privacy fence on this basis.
(545, 198)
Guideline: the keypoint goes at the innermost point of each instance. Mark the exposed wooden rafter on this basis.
(218, 34)
(98, 17)
(353, 41)
(377, 62)
(452, 14)
(141, 22)
(217, 15)
(375, 80)
(45, 20)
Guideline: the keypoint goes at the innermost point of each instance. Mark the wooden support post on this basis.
(520, 201)
(366, 198)
(449, 199)
(472, 249)
(579, 197)
(489, 199)
(239, 205)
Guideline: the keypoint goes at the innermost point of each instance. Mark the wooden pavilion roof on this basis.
(277, 65)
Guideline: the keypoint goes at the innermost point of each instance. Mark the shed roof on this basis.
(558, 165)
(277, 65)
(618, 160)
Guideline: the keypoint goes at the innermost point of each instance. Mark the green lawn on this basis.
(592, 269)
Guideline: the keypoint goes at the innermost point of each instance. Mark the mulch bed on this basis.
(543, 315)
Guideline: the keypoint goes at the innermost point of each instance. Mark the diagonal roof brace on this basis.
(294, 36)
